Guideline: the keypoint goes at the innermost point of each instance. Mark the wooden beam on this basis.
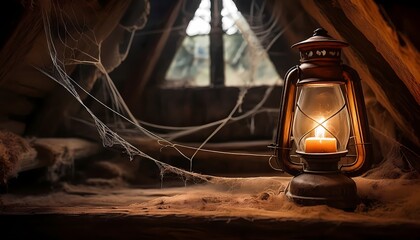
(135, 87)
(217, 61)
(59, 104)
(372, 46)
(251, 158)
(404, 60)
(255, 160)
(53, 150)
(18, 154)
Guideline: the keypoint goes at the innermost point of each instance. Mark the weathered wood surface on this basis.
(52, 150)
(199, 106)
(229, 209)
(232, 157)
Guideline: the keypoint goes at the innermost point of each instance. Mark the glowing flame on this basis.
(320, 130)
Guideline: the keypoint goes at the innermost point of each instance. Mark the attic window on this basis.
(245, 61)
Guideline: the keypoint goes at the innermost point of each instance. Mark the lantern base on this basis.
(332, 189)
(321, 183)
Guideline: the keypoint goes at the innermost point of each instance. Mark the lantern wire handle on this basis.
(275, 146)
(272, 166)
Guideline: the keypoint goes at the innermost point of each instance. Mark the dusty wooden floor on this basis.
(253, 208)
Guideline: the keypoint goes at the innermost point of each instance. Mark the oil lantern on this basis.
(323, 132)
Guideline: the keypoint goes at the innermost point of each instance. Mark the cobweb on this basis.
(65, 37)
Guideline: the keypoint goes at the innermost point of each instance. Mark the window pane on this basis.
(191, 64)
(246, 62)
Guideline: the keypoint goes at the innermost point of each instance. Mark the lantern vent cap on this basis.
(318, 39)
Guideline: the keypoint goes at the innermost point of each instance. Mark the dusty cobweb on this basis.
(66, 36)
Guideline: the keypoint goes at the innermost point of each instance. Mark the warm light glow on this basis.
(321, 115)
(320, 143)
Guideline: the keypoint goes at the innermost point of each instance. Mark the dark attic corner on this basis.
(210, 119)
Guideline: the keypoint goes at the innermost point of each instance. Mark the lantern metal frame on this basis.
(319, 179)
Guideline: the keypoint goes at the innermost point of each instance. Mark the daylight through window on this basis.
(246, 61)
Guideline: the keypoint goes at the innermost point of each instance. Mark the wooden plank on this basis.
(52, 150)
(221, 159)
(254, 161)
(226, 208)
(149, 144)
(30, 161)
(49, 151)
(55, 148)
